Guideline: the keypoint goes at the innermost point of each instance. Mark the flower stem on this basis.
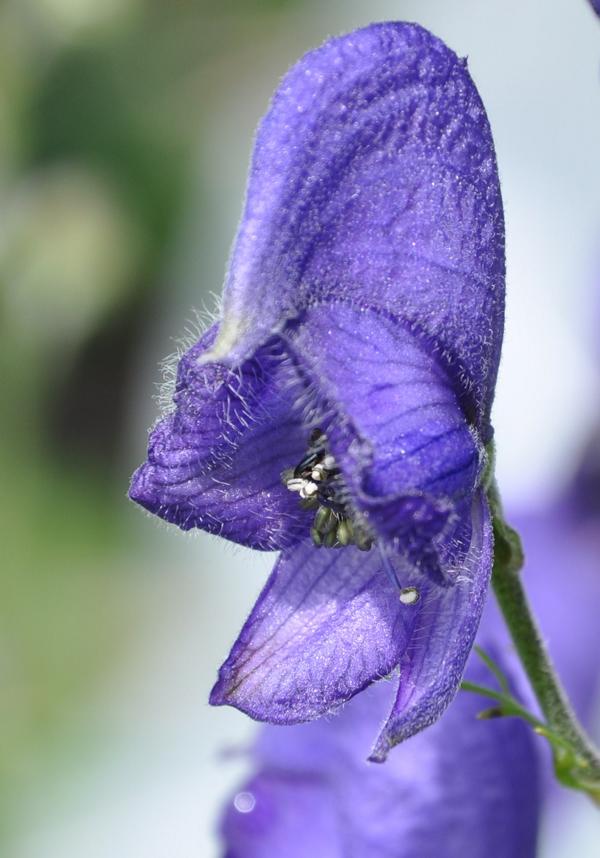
(576, 760)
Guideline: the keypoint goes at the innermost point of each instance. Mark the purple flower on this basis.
(463, 789)
(339, 411)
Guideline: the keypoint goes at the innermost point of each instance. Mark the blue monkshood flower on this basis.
(339, 411)
(465, 788)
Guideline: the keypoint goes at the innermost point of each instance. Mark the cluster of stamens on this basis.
(318, 482)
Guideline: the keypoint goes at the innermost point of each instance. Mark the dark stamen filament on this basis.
(319, 484)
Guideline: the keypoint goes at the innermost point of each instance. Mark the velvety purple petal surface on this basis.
(374, 181)
(462, 789)
(328, 623)
(215, 462)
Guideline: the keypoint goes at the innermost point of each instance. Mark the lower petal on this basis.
(434, 661)
(330, 622)
(327, 624)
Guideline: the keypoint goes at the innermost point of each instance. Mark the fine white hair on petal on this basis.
(194, 329)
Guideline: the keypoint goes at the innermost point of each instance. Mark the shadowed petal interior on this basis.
(396, 425)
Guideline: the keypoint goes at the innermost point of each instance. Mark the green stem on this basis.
(577, 761)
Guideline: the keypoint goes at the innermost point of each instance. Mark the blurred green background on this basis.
(102, 111)
(125, 128)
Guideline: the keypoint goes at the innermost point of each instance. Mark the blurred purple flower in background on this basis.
(562, 569)
(340, 410)
(462, 789)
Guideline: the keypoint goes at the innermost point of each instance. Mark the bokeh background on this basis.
(125, 132)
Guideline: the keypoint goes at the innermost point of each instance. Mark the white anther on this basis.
(318, 472)
(328, 462)
(409, 595)
(296, 484)
(308, 489)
